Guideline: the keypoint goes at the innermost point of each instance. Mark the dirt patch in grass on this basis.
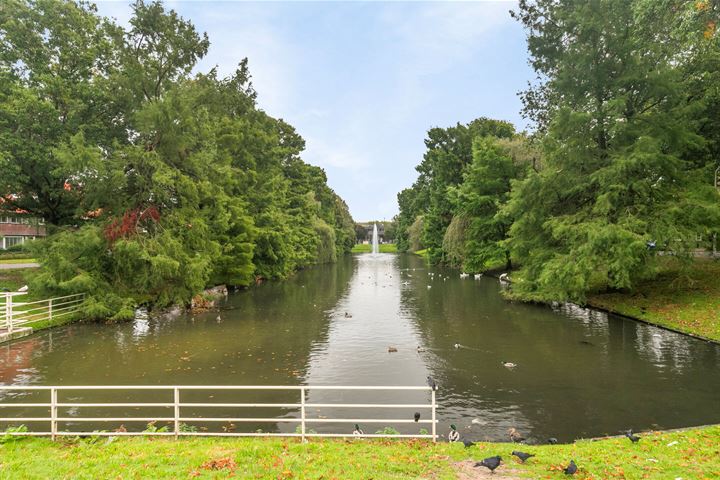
(466, 471)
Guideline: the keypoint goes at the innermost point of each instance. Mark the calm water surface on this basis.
(579, 373)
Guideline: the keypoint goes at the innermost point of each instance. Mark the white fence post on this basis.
(302, 413)
(9, 312)
(50, 309)
(177, 412)
(434, 427)
(53, 413)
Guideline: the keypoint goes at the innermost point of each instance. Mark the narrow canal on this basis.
(578, 373)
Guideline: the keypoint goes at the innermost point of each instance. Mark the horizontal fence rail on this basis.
(15, 314)
(178, 423)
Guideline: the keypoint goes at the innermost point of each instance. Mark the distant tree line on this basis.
(626, 114)
(157, 181)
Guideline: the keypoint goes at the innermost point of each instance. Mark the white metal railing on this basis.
(176, 419)
(15, 314)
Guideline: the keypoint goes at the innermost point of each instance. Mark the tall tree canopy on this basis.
(157, 181)
(620, 165)
(626, 161)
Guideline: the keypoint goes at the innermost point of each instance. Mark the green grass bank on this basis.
(688, 454)
(367, 248)
(684, 296)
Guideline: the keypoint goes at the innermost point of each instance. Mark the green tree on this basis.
(55, 58)
(184, 184)
(620, 150)
(449, 152)
(478, 201)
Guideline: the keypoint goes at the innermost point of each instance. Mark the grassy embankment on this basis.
(684, 297)
(367, 248)
(694, 455)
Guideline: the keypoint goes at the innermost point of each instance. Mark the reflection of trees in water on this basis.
(17, 358)
(580, 371)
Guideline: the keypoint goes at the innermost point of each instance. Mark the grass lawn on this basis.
(686, 298)
(367, 248)
(12, 279)
(17, 260)
(694, 455)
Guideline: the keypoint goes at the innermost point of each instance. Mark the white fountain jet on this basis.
(375, 247)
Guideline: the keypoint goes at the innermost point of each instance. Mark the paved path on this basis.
(11, 266)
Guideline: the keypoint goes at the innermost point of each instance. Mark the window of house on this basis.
(12, 241)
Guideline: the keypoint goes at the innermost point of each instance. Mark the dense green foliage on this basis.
(157, 181)
(453, 207)
(626, 114)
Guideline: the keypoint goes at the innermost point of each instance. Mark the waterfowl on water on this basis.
(464, 275)
(515, 435)
(420, 349)
(392, 349)
(477, 276)
(431, 383)
(508, 364)
(454, 435)
(347, 315)
(457, 345)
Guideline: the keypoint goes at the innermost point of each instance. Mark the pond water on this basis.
(579, 373)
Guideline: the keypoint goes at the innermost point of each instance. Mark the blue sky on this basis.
(362, 82)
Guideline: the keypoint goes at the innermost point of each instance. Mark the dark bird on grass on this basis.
(491, 462)
(416, 416)
(515, 435)
(454, 435)
(522, 455)
(633, 438)
(570, 469)
(552, 441)
(431, 383)
(468, 443)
